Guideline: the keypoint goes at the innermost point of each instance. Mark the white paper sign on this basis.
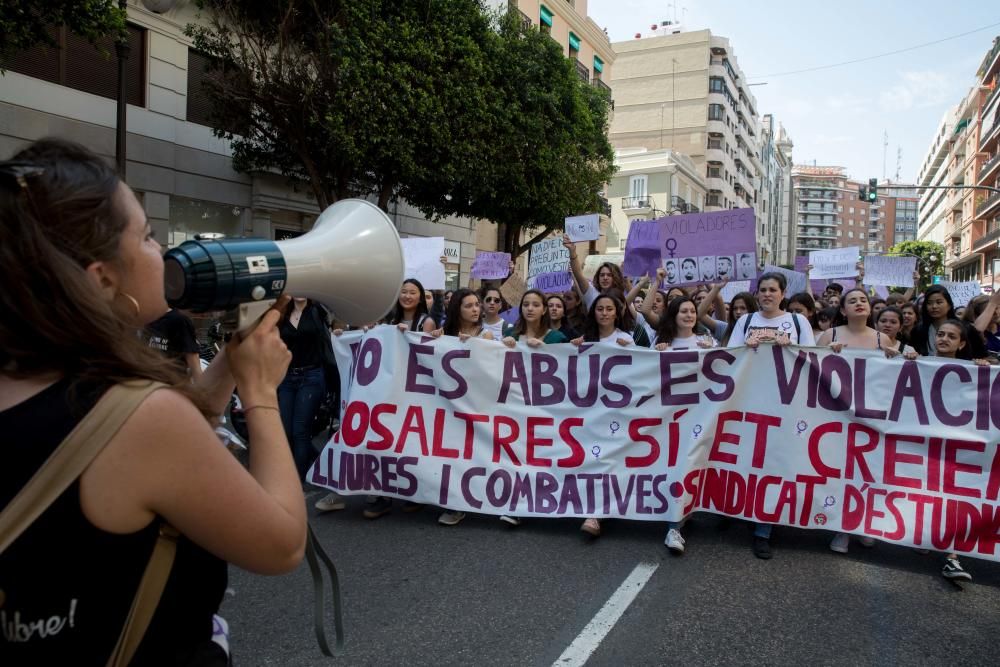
(834, 263)
(547, 256)
(886, 270)
(731, 289)
(583, 227)
(422, 257)
(962, 293)
(591, 262)
(796, 280)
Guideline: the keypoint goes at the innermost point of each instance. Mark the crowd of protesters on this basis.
(612, 309)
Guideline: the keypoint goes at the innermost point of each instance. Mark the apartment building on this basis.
(650, 184)
(965, 151)
(776, 225)
(685, 91)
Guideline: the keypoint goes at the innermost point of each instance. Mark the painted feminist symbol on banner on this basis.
(596, 451)
(696, 431)
(614, 426)
(801, 426)
(671, 246)
(829, 501)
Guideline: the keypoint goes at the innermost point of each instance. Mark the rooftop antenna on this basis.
(899, 161)
(885, 149)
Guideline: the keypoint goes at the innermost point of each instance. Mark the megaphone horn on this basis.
(351, 261)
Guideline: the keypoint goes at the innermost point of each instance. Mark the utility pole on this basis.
(899, 161)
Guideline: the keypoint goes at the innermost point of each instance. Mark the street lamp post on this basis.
(122, 52)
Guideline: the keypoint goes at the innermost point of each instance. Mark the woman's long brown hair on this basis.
(60, 212)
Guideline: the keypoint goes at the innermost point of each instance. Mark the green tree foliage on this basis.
(930, 262)
(25, 23)
(430, 100)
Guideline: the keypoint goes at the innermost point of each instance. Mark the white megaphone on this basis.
(351, 261)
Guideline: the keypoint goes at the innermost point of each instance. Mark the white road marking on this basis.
(577, 653)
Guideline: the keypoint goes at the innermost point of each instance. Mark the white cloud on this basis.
(918, 89)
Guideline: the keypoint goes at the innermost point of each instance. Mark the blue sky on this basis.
(837, 116)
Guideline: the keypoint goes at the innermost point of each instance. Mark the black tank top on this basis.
(65, 585)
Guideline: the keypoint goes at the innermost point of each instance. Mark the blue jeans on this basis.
(299, 397)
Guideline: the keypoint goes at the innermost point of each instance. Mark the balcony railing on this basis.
(600, 85)
(582, 70)
(987, 204)
(989, 164)
(987, 136)
(992, 96)
(629, 203)
(986, 240)
(525, 19)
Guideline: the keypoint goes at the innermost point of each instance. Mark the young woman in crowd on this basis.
(533, 323)
(576, 312)
(410, 312)
(304, 328)
(652, 305)
(770, 324)
(825, 319)
(951, 342)
(851, 330)
(911, 317)
(492, 304)
(936, 309)
(711, 308)
(877, 306)
(677, 332)
(463, 320)
(603, 325)
(986, 314)
(557, 316)
(804, 305)
(608, 276)
(889, 323)
(76, 239)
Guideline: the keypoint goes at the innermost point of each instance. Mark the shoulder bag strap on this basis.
(314, 554)
(71, 458)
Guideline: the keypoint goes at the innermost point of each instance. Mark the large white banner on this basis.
(903, 451)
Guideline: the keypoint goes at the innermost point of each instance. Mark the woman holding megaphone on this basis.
(82, 273)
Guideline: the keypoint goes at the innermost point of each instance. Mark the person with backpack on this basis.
(770, 324)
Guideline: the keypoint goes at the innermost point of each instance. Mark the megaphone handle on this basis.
(245, 317)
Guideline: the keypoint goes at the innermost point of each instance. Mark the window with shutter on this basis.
(78, 64)
(199, 107)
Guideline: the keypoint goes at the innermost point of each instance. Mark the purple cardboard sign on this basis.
(555, 282)
(510, 316)
(708, 247)
(642, 249)
(801, 263)
(491, 265)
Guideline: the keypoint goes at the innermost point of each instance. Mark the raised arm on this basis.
(809, 286)
(713, 300)
(574, 263)
(908, 294)
(652, 319)
(986, 317)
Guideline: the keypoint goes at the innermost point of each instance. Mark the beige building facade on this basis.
(649, 184)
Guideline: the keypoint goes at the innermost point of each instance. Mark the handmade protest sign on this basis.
(731, 289)
(706, 247)
(583, 227)
(888, 270)
(834, 263)
(547, 256)
(904, 451)
(592, 262)
(552, 283)
(796, 281)
(422, 258)
(642, 249)
(962, 293)
(513, 289)
(491, 265)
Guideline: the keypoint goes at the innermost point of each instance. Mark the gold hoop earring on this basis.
(135, 304)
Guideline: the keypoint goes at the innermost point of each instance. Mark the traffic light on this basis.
(862, 193)
(872, 190)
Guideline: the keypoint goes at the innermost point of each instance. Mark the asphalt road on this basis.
(482, 593)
